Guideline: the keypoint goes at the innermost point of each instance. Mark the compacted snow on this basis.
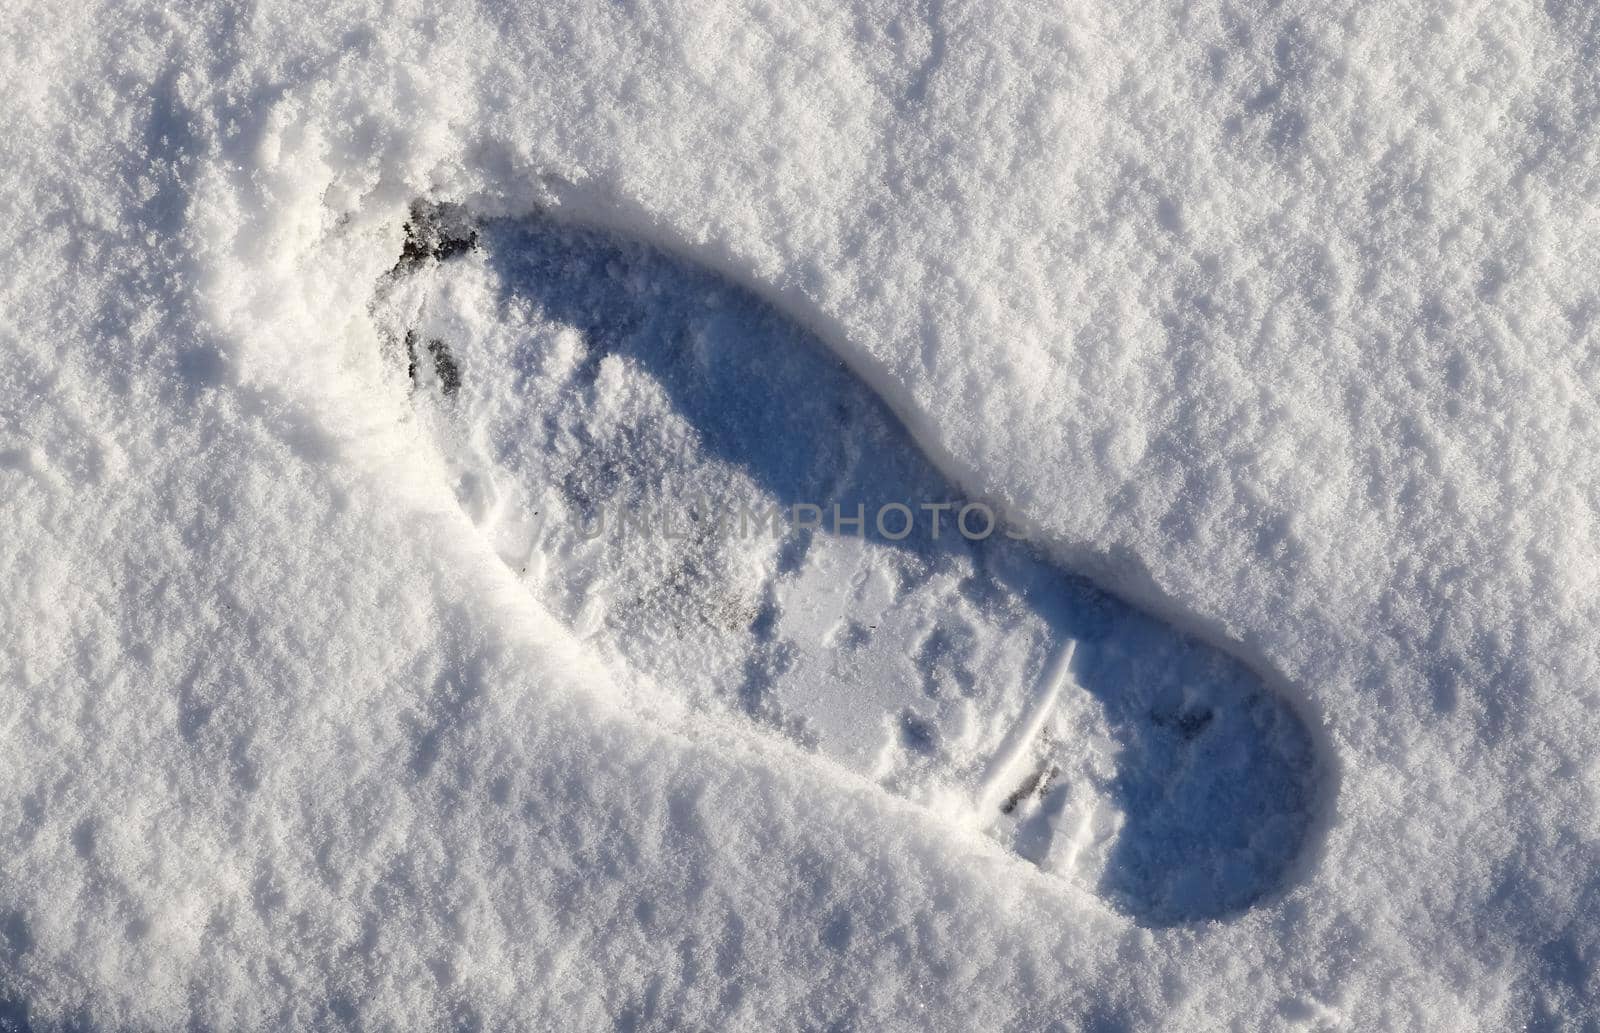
(693, 485)
(338, 342)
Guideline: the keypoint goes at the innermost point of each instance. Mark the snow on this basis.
(1274, 322)
(697, 487)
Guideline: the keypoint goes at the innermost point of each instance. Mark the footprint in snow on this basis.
(659, 454)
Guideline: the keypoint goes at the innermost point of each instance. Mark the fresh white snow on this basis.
(1275, 322)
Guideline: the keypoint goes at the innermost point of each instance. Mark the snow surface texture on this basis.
(1276, 320)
